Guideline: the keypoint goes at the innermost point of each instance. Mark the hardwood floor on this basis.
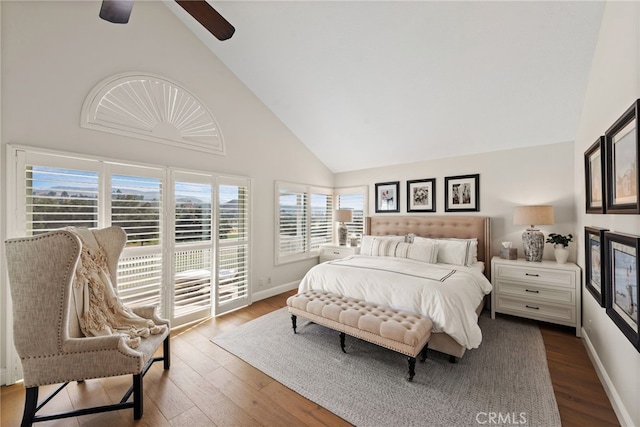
(206, 386)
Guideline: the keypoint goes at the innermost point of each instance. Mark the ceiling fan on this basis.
(118, 12)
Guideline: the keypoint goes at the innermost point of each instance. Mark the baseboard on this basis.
(618, 407)
(267, 293)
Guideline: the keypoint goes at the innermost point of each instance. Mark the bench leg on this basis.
(342, 336)
(423, 353)
(293, 323)
(412, 368)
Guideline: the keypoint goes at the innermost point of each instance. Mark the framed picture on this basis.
(462, 193)
(594, 176)
(594, 263)
(388, 197)
(421, 195)
(622, 283)
(621, 156)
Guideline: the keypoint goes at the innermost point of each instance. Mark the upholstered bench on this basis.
(404, 332)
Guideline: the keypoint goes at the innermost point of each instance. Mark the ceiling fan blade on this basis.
(208, 17)
(116, 11)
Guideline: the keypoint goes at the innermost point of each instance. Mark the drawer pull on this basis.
(531, 274)
(336, 253)
(534, 308)
(532, 291)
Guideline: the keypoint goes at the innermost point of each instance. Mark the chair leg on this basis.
(138, 406)
(30, 405)
(166, 354)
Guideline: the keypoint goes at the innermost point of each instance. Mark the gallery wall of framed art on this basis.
(461, 194)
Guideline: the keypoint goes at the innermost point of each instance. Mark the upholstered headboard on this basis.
(461, 227)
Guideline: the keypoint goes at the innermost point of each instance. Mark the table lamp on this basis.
(342, 216)
(532, 238)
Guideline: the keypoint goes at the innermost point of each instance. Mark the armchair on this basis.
(47, 333)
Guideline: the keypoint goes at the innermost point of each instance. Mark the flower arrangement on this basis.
(559, 239)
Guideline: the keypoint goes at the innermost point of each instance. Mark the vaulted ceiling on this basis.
(372, 83)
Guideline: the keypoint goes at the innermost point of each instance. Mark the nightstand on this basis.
(545, 291)
(330, 252)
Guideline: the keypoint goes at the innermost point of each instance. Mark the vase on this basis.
(561, 253)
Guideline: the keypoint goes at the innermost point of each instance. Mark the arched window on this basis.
(152, 108)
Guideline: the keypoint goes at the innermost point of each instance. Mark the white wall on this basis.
(613, 86)
(508, 178)
(54, 53)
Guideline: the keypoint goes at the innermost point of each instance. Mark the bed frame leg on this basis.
(342, 337)
(293, 323)
(453, 359)
(412, 368)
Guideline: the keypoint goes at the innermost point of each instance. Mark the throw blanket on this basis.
(100, 311)
(447, 294)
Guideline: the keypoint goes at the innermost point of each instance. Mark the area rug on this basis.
(503, 382)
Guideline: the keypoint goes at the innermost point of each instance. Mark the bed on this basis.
(452, 295)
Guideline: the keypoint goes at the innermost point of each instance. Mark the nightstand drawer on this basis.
(333, 252)
(536, 275)
(534, 292)
(563, 314)
(337, 252)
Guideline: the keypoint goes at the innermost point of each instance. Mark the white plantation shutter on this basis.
(321, 219)
(136, 205)
(304, 220)
(233, 218)
(59, 197)
(355, 199)
(292, 222)
(193, 214)
(193, 247)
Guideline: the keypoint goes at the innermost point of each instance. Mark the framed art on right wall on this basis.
(594, 176)
(622, 283)
(621, 155)
(594, 263)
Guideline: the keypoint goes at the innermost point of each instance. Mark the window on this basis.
(233, 241)
(57, 197)
(193, 252)
(304, 220)
(171, 256)
(353, 198)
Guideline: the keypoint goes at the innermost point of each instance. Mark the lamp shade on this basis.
(344, 215)
(533, 215)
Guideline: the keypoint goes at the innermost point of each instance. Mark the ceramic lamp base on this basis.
(533, 245)
(342, 234)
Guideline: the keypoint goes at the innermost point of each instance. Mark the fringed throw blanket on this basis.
(100, 311)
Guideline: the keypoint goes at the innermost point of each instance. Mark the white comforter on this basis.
(447, 294)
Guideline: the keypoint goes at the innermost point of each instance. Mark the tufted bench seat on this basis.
(404, 332)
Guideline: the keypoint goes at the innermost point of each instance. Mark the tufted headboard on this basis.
(461, 227)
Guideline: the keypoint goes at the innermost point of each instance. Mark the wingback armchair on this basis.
(47, 334)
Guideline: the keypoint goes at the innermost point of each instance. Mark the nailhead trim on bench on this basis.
(404, 332)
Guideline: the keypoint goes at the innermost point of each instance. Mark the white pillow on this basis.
(384, 247)
(366, 245)
(454, 251)
(426, 251)
(474, 248)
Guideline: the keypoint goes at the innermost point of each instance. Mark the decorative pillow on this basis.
(454, 251)
(384, 247)
(425, 252)
(366, 245)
